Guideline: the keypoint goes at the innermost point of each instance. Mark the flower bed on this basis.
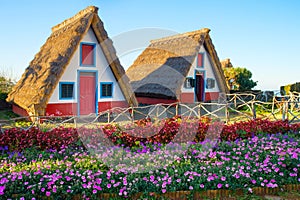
(55, 164)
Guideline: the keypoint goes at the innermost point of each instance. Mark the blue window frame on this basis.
(210, 83)
(66, 90)
(87, 54)
(106, 89)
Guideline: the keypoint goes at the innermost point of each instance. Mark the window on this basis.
(200, 59)
(189, 82)
(87, 54)
(210, 83)
(66, 90)
(106, 90)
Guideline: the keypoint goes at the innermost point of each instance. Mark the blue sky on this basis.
(261, 35)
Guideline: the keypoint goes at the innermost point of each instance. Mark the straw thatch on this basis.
(33, 90)
(162, 67)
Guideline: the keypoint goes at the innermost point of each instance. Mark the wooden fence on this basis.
(229, 108)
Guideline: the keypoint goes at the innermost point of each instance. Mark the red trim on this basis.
(103, 106)
(187, 97)
(210, 96)
(147, 100)
(61, 109)
(20, 111)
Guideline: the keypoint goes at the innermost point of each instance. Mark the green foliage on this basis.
(286, 89)
(6, 84)
(239, 78)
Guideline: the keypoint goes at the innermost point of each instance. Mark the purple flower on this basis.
(109, 185)
(163, 190)
(293, 174)
(219, 185)
(191, 188)
(2, 188)
(3, 180)
(201, 185)
(48, 193)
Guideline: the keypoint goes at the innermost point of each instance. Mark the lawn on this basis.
(151, 160)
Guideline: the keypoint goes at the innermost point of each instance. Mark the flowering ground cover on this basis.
(174, 155)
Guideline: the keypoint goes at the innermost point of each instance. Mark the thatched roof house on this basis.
(78, 49)
(183, 67)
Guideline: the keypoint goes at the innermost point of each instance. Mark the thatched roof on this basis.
(160, 70)
(33, 90)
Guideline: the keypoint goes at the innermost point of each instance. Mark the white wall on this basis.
(104, 73)
(208, 71)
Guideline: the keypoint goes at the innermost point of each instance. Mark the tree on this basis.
(239, 78)
(6, 84)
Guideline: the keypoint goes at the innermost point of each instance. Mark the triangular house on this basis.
(181, 68)
(76, 72)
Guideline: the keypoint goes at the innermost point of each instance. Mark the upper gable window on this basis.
(200, 60)
(87, 54)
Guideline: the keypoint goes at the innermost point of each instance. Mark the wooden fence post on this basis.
(199, 110)
(253, 110)
(176, 109)
(132, 114)
(108, 117)
(226, 113)
(283, 110)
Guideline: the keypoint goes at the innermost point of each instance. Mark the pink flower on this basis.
(201, 186)
(2, 188)
(191, 188)
(293, 174)
(163, 190)
(48, 193)
(219, 185)
(109, 185)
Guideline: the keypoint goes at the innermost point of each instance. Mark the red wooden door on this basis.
(87, 93)
(199, 89)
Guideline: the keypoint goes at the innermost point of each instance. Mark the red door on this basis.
(199, 88)
(87, 93)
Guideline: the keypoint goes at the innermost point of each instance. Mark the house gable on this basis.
(203, 64)
(161, 69)
(36, 86)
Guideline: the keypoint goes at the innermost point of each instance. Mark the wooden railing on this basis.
(229, 108)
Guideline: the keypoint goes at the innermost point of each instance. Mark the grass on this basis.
(7, 114)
